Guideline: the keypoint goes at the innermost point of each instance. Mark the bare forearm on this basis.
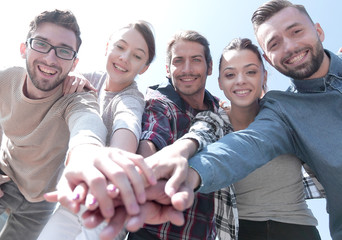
(146, 148)
(124, 139)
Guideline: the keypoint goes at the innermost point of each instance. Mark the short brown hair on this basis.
(268, 9)
(61, 18)
(191, 36)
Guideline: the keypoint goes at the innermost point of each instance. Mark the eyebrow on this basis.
(196, 56)
(269, 41)
(228, 68)
(245, 66)
(61, 45)
(292, 26)
(251, 64)
(139, 49)
(286, 29)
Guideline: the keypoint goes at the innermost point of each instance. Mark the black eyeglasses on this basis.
(45, 47)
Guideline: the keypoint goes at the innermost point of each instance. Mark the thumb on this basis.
(51, 196)
(4, 179)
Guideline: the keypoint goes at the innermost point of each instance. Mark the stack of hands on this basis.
(124, 189)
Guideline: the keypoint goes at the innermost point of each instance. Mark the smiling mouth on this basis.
(187, 79)
(46, 70)
(241, 91)
(120, 68)
(297, 58)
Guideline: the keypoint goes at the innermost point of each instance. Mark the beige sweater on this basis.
(37, 132)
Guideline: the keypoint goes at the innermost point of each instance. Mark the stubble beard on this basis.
(306, 70)
(44, 84)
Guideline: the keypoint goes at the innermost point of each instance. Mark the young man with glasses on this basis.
(43, 130)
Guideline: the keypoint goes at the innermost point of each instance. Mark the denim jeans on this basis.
(25, 219)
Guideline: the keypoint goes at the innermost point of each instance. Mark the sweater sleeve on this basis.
(128, 114)
(208, 127)
(239, 153)
(84, 121)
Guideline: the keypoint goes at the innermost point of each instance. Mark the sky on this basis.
(218, 20)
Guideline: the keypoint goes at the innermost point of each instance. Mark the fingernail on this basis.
(91, 201)
(75, 196)
(111, 188)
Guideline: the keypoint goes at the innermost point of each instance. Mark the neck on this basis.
(241, 117)
(323, 69)
(195, 101)
(31, 92)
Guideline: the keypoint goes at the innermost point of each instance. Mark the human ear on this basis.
(210, 68)
(23, 50)
(264, 83)
(168, 74)
(320, 32)
(106, 48)
(74, 64)
(219, 82)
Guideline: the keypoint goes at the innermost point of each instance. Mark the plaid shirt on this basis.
(167, 117)
(209, 127)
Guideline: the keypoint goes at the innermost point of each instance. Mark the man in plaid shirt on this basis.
(170, 108)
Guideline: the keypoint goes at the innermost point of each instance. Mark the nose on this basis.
(240, 79)
(289, 45)
(51, 57)
(187, 67)
(124, 56)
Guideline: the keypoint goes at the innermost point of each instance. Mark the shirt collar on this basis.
(166, 88)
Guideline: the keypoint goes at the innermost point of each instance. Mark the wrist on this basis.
(77, 152)
(194, 179)
(187, 147)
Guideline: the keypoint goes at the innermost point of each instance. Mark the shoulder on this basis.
(95, 74)
(155, 95)
(16, 70)
(129, 93)
(96, 78)
(12, 76)
(80, 98)
(275, 95)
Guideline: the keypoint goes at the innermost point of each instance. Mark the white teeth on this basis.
(296, 59)
(120, 68)
(47, 71)
(241, 91)
(187, 79)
